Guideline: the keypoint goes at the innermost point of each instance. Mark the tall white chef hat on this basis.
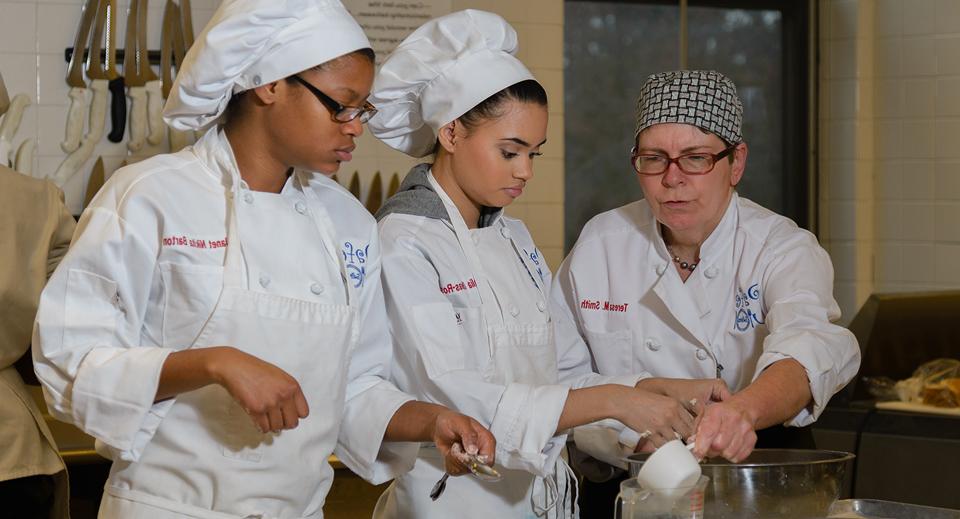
(441, 71)
(249, 43)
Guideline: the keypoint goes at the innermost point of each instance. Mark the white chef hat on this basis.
(249, 43)
(440, 72)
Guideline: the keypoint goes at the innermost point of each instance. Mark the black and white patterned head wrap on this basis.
(703, 98)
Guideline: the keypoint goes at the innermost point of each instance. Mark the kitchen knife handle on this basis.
(74, 130)
(24, 160)
(138, 117)
(155, 112)
(5, 148)
(70, 165)
(11, 121)
(77, 158)
(98, 112)
(118, 110)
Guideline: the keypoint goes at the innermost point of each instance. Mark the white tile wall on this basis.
(913, 188)
(888, 56)
(918, 56)
(918, 180)
(889, 180)
(948, 59)
(947, 180)
(34, 34)
(918, 17)
(889, 18)
(843, 59)
(918, 97)
(946, 261)
(917, 140)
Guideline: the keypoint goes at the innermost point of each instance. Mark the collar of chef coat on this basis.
(687, 302)
(216, 154)
(717, 241)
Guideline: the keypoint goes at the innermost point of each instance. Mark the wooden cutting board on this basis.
(918, 408)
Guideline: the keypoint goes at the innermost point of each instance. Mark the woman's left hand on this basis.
(451, 428)
(694, 394)
(726, 429)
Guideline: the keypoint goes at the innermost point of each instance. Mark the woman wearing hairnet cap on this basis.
(465, 285)
(218, 325)
(722, 288)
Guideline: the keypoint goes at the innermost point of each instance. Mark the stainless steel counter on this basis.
(877, 509)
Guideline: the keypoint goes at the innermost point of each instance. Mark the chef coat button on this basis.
(475, 238)
(505, 232)
(300, 207)
(701, 355)
(652, 345)
(661, 268)
(316, 288)
(264, 280)
(248, 198)
(711, 272)
(514, 311)
(541, 306)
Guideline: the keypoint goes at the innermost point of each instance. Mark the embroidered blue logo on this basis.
(746, 318)
(355, 259)
(535, 258)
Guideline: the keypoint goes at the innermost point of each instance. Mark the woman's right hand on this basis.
(656, 417)
(271, 397)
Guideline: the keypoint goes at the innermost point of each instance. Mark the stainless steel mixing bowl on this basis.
(771, 483)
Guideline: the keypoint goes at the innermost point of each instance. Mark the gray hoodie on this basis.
(417, 197)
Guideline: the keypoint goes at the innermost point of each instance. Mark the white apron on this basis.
(519, 353)
(207, 459)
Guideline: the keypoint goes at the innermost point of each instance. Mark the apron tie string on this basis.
(547, 498)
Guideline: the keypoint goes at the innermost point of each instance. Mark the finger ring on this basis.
(645, 434)
(693, 402)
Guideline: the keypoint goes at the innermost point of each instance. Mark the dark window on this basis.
(611, 47)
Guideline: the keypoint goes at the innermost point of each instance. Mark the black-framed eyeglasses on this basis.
(691, 163)
(338, 112)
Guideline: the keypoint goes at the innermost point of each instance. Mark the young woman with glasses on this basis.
(208, 326)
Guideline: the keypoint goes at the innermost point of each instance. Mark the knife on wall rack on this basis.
(75, 80)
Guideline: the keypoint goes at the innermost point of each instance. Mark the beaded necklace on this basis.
(683, 264)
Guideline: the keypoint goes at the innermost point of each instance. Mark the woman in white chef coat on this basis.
(218, 324)
(712, 285)
(466, 288)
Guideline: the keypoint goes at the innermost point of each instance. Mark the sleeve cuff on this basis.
(809, 414)
(114, 392)
(600, 441)
(360, 445)
(525, 426)
(595, 379)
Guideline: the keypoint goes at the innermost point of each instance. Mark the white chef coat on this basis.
(439, 316)
(762, 292)
(145, 271)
